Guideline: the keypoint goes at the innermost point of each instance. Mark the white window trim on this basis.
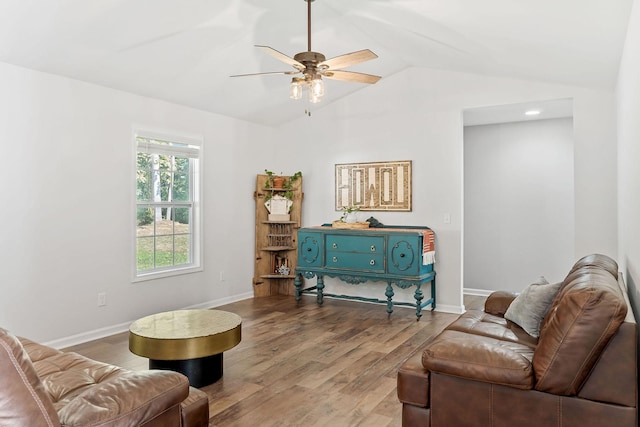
(198, 235)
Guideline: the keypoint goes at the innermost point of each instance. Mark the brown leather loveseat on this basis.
(44, 387)
(484, 370)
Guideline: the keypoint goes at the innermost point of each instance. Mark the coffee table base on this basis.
(201, 372)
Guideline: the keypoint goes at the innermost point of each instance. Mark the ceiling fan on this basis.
(313, 66)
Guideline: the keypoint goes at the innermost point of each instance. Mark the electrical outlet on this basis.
(102, 299)
(222, 276)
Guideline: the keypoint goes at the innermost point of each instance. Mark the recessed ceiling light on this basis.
(532, 113)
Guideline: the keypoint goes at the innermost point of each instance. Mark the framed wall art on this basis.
(377, 186)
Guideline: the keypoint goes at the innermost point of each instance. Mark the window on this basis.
(167, 205)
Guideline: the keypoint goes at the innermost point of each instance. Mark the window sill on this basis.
(143, 277)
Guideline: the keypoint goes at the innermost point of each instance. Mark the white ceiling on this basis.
(184, 51)
(548, 109)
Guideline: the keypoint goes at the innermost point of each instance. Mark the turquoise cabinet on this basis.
(391, 254)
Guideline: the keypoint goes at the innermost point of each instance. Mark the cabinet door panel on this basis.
(310, 249)
(404, 255)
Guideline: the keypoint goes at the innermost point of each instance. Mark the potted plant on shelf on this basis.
(280, 203)
(280, 182)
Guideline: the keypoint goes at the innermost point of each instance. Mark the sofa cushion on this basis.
(88, 392)
(130, 399)
(480, 323)
(480, 358)
(585, 314)
(23, 400)
(530, 307)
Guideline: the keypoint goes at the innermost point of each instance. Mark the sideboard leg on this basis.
(389, 293)
(433, 293)
(320, 287)
(418, 296)
(298, 284)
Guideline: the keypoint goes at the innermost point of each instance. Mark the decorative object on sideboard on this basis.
(349, 219)
(374, 222)
(350, 213)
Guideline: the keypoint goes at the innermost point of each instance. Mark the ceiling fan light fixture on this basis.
(313, 65)
(317, 86)
(295, 90)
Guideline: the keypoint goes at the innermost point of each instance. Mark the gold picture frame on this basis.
(374, 186)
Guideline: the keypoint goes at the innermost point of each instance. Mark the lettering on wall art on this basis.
(377, 186)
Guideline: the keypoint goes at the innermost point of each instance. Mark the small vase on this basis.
(351, 217)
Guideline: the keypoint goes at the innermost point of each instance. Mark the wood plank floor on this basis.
(304, 364)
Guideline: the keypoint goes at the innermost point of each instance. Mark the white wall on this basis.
(518, 203)
(67, 189)
(68, 182)
(628, 109)
(417, 115)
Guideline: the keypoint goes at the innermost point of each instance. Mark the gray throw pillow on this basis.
(530, 307)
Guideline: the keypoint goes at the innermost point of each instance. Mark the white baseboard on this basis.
(123, 327)
(477, 292)
(455, 309)
(88, 336)
(222, 301)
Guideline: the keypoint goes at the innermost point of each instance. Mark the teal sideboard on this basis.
(400, 255)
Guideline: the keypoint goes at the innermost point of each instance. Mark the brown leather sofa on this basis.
(484, 370)
(42, 386)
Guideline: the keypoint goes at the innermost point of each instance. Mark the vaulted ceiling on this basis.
(184, 51)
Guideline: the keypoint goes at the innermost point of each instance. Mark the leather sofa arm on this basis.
(130, 399)
(480, 358)
(498, 302)
(413, 382)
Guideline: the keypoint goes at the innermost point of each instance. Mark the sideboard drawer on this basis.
(363, 244)
(355, 261)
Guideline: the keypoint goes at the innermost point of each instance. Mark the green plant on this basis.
(287, 185)
(145, 216)
(347, 210)
(269, 181)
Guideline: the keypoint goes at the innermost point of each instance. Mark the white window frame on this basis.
(195, 152)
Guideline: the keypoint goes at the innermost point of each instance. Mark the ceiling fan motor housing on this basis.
(309, 58)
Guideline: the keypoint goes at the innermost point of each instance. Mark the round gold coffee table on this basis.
(187, 341)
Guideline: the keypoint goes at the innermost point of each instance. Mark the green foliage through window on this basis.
(164, 194)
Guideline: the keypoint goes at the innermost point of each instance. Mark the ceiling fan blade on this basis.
(268, 72)
(350, 76)
(281, 57)
(348, 59)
